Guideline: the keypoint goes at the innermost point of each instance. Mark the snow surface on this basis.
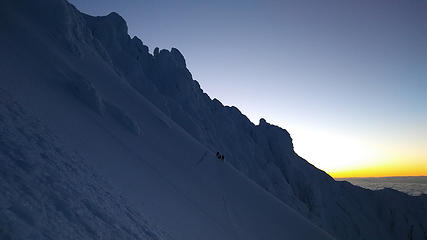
(141, 123)
(48, 193)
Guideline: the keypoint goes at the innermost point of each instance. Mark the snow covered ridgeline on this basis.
(52, 64)
(152, 89)
(262, 152)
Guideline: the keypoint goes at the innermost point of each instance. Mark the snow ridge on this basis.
(265, 154)
(142, 122)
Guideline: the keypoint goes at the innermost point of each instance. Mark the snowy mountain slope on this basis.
(262, 152)
(49, 194)
(144, 124)
(62, 75)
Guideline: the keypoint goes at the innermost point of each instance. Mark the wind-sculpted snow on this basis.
(84, 91)
(47, 193)
(87, 90)
(68, 67)
(123, 119)
(262, 152)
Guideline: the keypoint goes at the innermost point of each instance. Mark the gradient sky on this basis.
(347, 79)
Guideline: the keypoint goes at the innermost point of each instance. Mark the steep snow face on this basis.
(262, 152)
(106, 128)
(49, 193)
(145, 125)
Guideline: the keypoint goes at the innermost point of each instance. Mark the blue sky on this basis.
(336, 74)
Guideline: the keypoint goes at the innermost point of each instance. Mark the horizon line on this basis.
(383, 176)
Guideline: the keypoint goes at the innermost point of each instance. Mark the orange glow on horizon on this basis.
(391, 170)
(345, 155)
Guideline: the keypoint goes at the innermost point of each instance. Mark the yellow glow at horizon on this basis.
(342, 155)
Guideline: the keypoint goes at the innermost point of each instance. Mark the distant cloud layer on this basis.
(411, 185)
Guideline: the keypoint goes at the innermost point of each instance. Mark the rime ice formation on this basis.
(133, 152)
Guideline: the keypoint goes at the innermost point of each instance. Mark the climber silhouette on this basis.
(220, 156)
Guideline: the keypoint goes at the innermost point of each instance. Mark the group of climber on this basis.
(220, 156)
